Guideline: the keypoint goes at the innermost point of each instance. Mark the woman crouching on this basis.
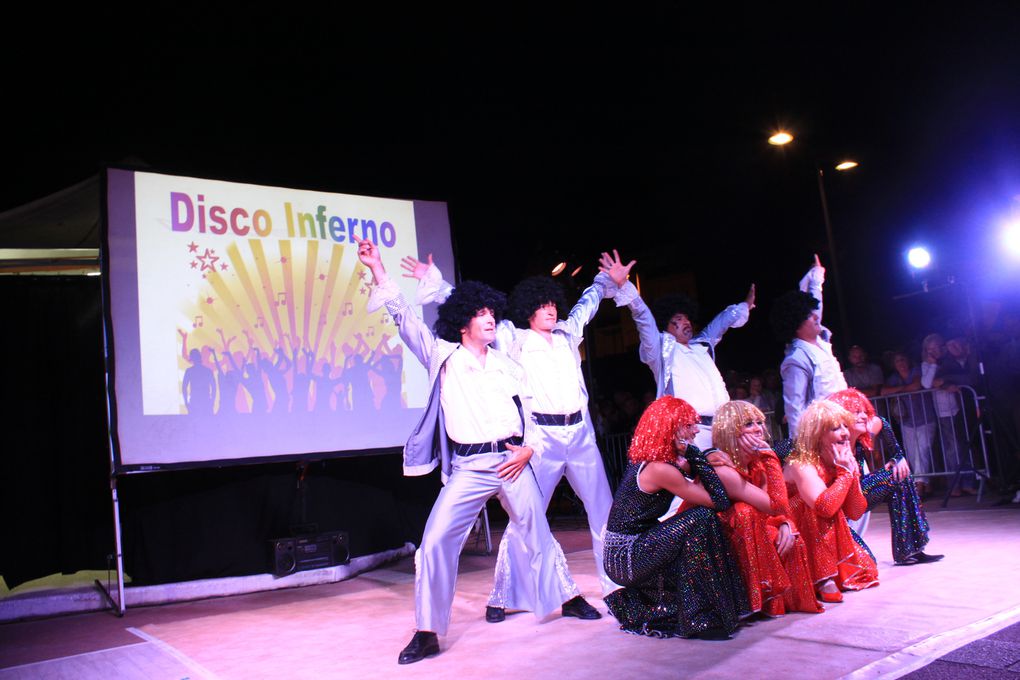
(826, 477)
(680, 577)
(772, 556)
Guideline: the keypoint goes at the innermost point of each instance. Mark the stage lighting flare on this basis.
(558, 269)
(780, 138)
(1011, 238)
(919, 257)
(847, 165)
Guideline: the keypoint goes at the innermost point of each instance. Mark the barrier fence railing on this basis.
(940, 431)
(942, 435)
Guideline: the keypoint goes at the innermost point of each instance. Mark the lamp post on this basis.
(782, 138)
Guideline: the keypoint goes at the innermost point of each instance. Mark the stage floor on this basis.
(356, 628)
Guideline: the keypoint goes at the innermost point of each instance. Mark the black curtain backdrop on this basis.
(57, 515)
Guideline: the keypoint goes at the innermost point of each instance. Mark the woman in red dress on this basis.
(772, 556)
(825, 475)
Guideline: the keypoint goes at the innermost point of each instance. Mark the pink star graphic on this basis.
(362, 290)
(208, 260)
(283, 260)
(192, 247)
(361, 274)
(322, 277)
(209, 300)
(194, 265)
(223, 266)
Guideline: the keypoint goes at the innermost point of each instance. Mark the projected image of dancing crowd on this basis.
(290, 379)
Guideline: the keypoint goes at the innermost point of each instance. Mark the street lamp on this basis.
(782, 138)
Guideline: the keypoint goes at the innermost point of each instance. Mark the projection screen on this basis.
(237, 324)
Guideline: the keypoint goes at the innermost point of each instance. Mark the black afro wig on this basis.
(530, 294)
(789, 311)
(668, 306)
(462, 306)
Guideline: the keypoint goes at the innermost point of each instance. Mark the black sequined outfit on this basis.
(680, 576)
(906, 516)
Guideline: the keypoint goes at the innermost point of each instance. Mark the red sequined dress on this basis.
(775, 585)
(832, 551)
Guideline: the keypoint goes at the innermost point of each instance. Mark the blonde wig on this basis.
(727, 424)
(819, 418)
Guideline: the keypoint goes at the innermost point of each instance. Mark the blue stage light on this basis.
(1011, 238)
(919, 257)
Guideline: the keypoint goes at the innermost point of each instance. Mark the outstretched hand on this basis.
(414, 267)
(750, 298)
(617, 270)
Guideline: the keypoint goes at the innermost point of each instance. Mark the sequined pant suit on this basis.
(680, 576)
(906, 515)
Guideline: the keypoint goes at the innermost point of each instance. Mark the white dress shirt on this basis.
(696, 379)
(550, 372)
(477, 397)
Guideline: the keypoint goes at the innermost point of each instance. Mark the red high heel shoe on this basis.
(830, 597)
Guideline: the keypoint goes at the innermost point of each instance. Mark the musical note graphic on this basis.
(260, 323)
(199, 322)
(348, 309)
(386, 319)
(281, 299)
(371, 332)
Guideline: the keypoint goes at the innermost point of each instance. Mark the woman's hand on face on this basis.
(843, 457)
(751, 444)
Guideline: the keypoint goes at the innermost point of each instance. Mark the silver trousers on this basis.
(569, 451)
(472, 482)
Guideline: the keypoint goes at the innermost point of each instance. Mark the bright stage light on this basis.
(919, 257)
(847, 165)
(558, 269)
(1011, 238)
(780, 138)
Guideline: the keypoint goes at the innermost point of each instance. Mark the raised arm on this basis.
(812, 283)
(612, 275)
(733, 316)
(413, 331)
(432, 288)
(650, 350)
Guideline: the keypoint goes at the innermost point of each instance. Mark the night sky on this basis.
(556, 133)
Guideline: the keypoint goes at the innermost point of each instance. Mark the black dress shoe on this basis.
(495, 614)
(424, 643)
(578, 608)
(925, 558)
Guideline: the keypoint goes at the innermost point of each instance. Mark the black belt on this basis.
(562, 420)
(705, 420)
(484, 447)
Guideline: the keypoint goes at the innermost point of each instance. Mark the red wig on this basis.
(654, 436)
(854, 401)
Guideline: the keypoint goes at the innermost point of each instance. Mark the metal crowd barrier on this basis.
(614, 456)
(942, 435)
